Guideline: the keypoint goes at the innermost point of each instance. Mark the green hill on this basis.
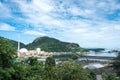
(47, 44)
(53, 45)
(14, 43)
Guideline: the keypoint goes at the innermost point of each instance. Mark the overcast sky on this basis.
(90, 23)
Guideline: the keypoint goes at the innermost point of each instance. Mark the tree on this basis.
(49, 68)
(36, 69)
(75, 57)
(50, 62)
(70, 70)
(112, 77)
(32, 61)
(109, 76)
(21, 72)
(116, 64)
(6, 54)
(6, 73)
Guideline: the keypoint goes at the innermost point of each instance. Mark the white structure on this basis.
(38, 50)
(18, 54)
(94, 66)
(23, 50)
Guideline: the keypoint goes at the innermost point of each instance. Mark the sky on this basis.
(90, 23)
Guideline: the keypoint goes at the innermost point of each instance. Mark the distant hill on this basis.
(48, 44)
(53, 45)
(14, 43)
(95, 49)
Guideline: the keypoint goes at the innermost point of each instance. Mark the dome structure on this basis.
(38, 49)
(23, 50)
(94, 66)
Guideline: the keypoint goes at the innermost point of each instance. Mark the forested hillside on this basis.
(53, 45)
(48, 44)
(13, 42)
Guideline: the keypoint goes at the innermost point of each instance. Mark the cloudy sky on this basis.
(90, 23)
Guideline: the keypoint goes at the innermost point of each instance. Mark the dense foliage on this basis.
(70, 70)
(116, 64)
(13, 43)
(6, 54)
(109, 76)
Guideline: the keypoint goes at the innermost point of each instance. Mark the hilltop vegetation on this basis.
(95, 49)
(53, 45)
(13, 42)
(48, 44)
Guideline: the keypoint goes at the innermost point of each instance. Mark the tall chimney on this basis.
(18, 54)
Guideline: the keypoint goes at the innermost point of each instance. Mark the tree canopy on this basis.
(116, 64)
(7, 53)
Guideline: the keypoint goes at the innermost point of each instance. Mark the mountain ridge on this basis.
(13, 42)
(48, 44)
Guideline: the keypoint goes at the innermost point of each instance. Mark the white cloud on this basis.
(42, 5)
(83, 22)
(79, 30)
(117, 27)
(31, 32)
(6, 27)
(4, 11)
